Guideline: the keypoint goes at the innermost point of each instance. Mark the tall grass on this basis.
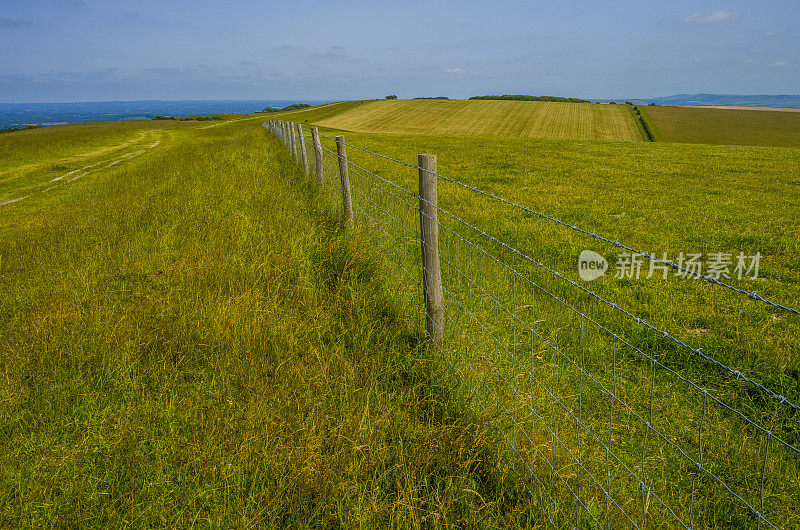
(189, 338)
(663, 197)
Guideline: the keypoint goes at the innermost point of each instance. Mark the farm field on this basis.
(725, 107)
(724, 126)
(517, 119)
(161, 283)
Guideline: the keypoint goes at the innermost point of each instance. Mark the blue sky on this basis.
(87, 50)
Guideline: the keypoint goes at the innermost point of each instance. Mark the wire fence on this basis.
(597, 409)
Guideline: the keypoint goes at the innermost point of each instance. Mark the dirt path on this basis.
(103, 164)
(22, 170)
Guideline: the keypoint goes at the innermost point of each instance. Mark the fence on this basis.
(597, 410)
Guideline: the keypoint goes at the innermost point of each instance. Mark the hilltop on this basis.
(568, 121)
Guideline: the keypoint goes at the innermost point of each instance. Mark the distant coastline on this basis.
(48, 114)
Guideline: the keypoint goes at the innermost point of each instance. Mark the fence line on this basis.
(752, 295)
(586, 414)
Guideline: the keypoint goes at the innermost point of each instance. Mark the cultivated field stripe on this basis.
(510, 119)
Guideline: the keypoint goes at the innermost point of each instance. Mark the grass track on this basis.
(520, 119)
(189, 338)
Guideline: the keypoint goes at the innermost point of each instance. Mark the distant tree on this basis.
(628, 103)
(392, 96)
(519, 97)
(612, 102)
(15, 129)
(295, 106)
(652, 105)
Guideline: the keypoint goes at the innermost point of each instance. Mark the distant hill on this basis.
(731, 100)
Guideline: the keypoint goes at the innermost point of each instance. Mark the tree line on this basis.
(520, 97)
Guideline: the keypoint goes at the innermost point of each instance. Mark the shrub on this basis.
(294, 106)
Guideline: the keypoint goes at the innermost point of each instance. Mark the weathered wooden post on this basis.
(429, 230)
(317, 154)
(303, 154)
(347, 201)
(292, 140)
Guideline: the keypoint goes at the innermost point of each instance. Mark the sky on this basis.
(87, 50)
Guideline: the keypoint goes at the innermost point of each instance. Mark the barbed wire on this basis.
(393, 195)
(715, 281)
(739, 375)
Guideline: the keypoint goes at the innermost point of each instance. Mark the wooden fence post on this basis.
(429, 230)
(292, 140)
(347, 201)
(303, 154)
(317, 154)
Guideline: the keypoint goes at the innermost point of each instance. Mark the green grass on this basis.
(189, 338)
(193, 336)
(724, 126)
(519, 119)
(657, 197)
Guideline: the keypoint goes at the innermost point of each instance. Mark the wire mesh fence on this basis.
(594, 406)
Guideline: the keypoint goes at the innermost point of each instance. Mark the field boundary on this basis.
(573, 383)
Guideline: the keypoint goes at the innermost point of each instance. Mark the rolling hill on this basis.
(510, 119)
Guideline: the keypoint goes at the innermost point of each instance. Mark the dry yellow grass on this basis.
(512, 119)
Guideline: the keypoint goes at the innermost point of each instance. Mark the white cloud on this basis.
(778, 33)
(11, 23)
(778, 64)
(708, 18)
(455, 71)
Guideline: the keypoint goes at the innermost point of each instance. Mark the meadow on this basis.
(189, 338)
(662, 198)
(189, 335)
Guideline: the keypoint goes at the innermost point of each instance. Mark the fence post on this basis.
(429, 230)
(282, 131)
(302, 141)
(317, 154)
(347, 201)
(293, 140)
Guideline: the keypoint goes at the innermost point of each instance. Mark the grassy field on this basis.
(657, 197)
(517, 119)
(190, 339)
(724, 126)
(194, 338)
